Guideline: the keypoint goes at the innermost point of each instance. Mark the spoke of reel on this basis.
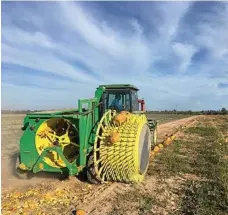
(52, 136)
(64, 144)
(50, 139)
(75, 144)
(68, 127)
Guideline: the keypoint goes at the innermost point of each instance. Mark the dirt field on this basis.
(11, 133)
(65, 196)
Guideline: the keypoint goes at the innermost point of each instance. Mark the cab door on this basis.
(134, 101)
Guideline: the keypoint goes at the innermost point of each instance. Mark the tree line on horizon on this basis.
(223, 111)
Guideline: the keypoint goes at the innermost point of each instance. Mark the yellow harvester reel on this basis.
(57, 131)
(122, 147)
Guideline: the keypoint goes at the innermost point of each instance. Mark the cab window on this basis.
(135, 104)
(119, 98)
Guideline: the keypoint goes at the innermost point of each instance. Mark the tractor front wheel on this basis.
(154, 137)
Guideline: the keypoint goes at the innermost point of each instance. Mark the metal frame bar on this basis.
(70, 166)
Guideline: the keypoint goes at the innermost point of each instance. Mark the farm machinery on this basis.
(108, 137)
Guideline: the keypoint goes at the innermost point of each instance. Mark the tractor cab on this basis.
(121, 97)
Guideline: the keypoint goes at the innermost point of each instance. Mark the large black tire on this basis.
(22, 174)
(91, 174)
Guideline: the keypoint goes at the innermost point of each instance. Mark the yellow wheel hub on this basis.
(122, 147)
(61, 132)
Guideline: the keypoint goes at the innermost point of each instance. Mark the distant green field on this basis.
(163, 118)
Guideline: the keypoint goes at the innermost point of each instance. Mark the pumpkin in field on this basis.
(80, 212)
(156, 149)
(152, 153)
(173, 137)
(160, 146)
(168, 141)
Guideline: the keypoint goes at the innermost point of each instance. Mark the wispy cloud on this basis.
(66, 49)
(223, 85)
(185, 52)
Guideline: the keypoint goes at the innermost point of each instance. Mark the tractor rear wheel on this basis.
(90, 172)
(154, 138)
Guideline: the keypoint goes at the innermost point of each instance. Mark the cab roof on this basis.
(119, 86)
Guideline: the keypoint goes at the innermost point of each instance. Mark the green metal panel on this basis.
(86, 125)
(69, 111)
(28, 151)
(48, 116)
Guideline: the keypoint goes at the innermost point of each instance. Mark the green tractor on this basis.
(107, 137)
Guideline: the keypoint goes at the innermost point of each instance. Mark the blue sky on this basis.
(54, 53)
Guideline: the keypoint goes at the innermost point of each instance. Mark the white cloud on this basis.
(123, 49)
(100, 37)
(172, 15)
(213, 33)
(185, 52)
(137, 27)
(39, 61)
(17, 36)
(112, 55)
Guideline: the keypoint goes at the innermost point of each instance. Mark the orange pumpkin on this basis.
(120, 118)
(124, 112)
(80, 212)
(168, 141)
(114, 137)
(152, 154)
(173, 137)
(156, 149)
(160, 146)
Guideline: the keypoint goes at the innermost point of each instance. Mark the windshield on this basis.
(119, 100)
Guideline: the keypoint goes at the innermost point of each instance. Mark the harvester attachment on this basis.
(122, 147)
(57, 132)
(56, 146)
